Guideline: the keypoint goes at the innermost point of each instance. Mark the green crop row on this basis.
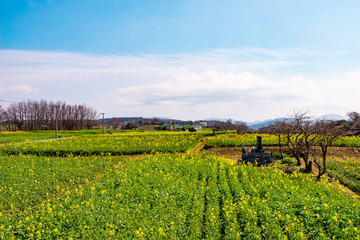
(347, 171)
(191, 197)
(16, 137)
(28, 180)
(233, 140)
(116, 144)
(348, 141)
(268, 140)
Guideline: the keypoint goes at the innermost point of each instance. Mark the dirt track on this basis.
(235, 152)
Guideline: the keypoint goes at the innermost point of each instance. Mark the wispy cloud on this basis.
(22, 88)
(246, 84)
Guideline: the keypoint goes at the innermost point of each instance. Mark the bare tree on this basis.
(353, 116)
(2, 117)
(132, 125)
(278, 129)
(299, 137)
(241, 127)
(115, 123)
(301, 134)
(326, 133)
(352, 127)
(34, 115)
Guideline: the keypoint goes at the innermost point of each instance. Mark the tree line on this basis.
(304, 137)
(130, 123)
(41, 115)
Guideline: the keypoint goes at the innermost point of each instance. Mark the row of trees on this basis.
(41, 115)
(303, 136)
(239, 126)
(125, 123)
(116, 123)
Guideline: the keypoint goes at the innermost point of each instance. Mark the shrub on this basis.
(288, 161)
(277, 156)
(192, 129)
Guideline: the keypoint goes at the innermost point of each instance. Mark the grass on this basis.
(192, 197)
(347, 171)
(28, 180)
(16, 137)
(164, 195)
(233, 140)
(130, 143)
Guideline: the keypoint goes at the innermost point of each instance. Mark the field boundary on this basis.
(73, 188)
(198, 147)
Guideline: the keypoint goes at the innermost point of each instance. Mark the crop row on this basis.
(347, 171)
(28, 180)
(246, 139)
(15, 137)
(233, 140)
(192, 197)
(117, 144)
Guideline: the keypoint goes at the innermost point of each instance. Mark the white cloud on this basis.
(22, 88)
(246, 84)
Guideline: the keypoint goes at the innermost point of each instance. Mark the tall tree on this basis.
(326, 133)
(352, 127)
(35, 115)
(278, 129)
(298, 136)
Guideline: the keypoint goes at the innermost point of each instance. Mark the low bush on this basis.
(288, 161)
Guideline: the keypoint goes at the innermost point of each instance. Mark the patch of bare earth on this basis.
(235, 152)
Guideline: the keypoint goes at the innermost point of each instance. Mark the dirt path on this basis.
(235, 152)
(41, 140)
(198, 147)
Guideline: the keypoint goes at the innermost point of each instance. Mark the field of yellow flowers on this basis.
(346, 170)
(15, 137)
(166, 196)
(86, 145)
(248, 139)
(234, 140)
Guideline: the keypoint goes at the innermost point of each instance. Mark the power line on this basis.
(102, 122)
(56, 119)
(1, 100)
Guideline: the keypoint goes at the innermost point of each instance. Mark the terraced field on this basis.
(180, 194)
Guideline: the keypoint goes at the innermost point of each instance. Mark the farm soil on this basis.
(234, 153)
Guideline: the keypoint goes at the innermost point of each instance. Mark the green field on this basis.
(347, 171)
(233, 140)
(117, 144)
(163, 193)
(16, 137)
(28, 180)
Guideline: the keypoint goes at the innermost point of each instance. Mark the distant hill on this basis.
(254, 125)
(259, 124)
(221, 119)
(334, 117)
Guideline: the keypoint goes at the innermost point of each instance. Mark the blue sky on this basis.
(185, 59)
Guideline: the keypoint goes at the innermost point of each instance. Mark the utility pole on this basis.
(1, 100)
(56, 120)
(81, 117)
(102, 122)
